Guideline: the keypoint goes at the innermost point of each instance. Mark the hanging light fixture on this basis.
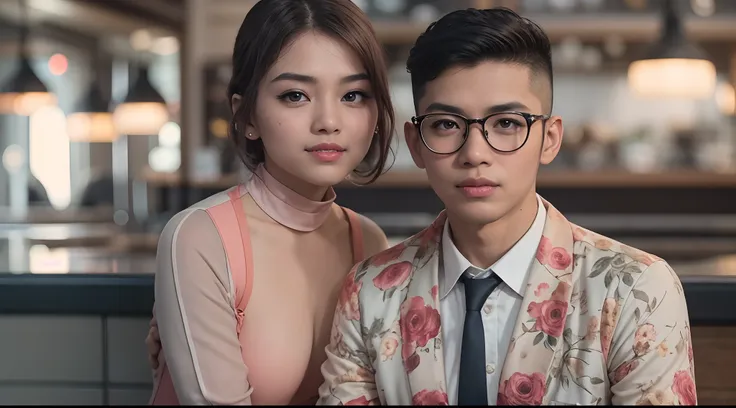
(726, 99)
(24, 93)
(673, 67)
(91, 121)
(143, 111)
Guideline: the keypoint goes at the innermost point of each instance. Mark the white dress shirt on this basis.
(499, 311)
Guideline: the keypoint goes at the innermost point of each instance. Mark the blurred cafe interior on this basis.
(113, 117)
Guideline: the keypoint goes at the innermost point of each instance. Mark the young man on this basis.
(502, 300)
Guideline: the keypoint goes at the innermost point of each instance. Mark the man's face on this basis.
(508, 179)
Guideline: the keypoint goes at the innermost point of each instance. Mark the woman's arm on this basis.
(195, 315)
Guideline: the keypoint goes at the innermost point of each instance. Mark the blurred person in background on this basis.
(248, 279)
(502, 300)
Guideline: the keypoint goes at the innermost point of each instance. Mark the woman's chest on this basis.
(288, 318)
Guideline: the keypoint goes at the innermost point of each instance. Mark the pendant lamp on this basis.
(24, 93)
(91, 120)
(673, 67)
(143, 111)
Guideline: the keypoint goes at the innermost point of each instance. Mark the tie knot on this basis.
(478, 290)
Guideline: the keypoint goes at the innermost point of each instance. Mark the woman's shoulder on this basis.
(374, 237)
(191, 252)
(194, 226)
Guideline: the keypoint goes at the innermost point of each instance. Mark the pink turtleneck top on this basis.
(300, 250)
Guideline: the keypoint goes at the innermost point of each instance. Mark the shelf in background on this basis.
(628, 27)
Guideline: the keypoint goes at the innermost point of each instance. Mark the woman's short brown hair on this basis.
(272, 24)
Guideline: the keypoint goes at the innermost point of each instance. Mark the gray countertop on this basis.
(37, 277)
(64, 281)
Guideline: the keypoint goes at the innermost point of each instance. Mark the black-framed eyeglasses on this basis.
(446, 133)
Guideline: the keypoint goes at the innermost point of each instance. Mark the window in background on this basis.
(60, 166)
(50, 154)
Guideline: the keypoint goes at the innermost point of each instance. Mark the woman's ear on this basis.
(249, 131)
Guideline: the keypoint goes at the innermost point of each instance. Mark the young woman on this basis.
(311, 106)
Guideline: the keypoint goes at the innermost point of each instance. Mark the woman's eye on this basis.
(354, 96)
(294, 96)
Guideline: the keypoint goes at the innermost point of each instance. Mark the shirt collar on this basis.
(512, 268)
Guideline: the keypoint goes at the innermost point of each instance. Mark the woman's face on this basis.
(315, 113)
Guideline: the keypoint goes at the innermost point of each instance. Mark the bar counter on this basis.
(103, 282)
(77, 318)
(96, 270)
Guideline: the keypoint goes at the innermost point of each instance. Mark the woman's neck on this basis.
(299, 186)
(287, 206)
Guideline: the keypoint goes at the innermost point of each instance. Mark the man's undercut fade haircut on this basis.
(468, 37)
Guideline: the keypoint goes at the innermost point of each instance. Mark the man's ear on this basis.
(248, 130)
(414, 143)
(552, 140)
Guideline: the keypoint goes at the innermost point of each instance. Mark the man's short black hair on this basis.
(471, 36)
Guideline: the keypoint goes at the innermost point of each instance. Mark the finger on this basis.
(153, 337)
(153, 361)
(152, 346)
(152, 354)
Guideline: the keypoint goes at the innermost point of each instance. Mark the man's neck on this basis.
(483, 245)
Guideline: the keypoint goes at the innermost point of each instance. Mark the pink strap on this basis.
(246, 274)
(356, 234)
(229, 218)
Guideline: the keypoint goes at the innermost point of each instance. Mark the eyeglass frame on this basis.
(529, 117)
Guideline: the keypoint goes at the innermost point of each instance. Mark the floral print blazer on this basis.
(600, 323)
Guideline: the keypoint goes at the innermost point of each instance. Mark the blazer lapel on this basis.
(538, 330)
(419, 321)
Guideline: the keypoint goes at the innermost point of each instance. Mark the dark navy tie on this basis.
(472, 385)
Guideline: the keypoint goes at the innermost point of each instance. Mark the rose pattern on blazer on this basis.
(600, 323)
